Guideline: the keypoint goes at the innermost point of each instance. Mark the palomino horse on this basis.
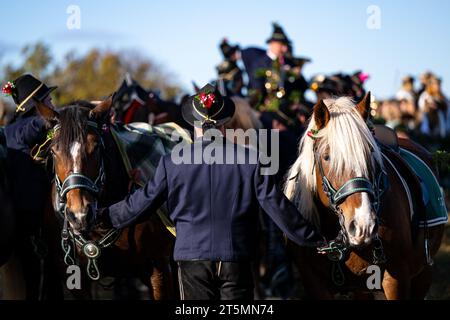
(343, 183)
(88, 167)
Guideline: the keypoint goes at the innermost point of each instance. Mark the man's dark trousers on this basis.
(210, 280)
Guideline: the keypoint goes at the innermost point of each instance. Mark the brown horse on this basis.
(88, 167)
(344, 184)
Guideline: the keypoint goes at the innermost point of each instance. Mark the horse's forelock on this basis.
(73, 121)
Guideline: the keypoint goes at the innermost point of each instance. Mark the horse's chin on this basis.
(360, 243)
(78, 229)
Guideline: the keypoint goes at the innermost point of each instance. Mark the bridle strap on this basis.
(338, 248)
(91, 249)
(355, 185)
(352, 186)
(78, 181)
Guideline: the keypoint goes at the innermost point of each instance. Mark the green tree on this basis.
(91, 76)
(97, 74)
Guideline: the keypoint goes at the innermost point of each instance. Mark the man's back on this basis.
(213, 191)
(212, 200)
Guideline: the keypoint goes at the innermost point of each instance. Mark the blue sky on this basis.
(183, 35)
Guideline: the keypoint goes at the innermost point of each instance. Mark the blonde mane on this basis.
(349, 143)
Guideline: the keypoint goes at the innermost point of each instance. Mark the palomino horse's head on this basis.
(77, 149)
(338, 166)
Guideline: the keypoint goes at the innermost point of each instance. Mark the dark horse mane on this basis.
(73, 122)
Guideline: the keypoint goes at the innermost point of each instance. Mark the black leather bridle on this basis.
(374, 188)
(91, 249)
(78, 180)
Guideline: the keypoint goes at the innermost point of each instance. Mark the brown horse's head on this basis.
(77, 148)
(345, 166)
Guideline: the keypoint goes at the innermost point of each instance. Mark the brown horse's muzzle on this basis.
(79, 212)
(362, 229)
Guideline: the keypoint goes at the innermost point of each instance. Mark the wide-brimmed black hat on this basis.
(278, 35)
(227, 49)
(27, 88)
(208, 105)
(323, 83)
(299, 61)
(227, 69)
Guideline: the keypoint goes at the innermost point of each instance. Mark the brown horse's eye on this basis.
(326, 157)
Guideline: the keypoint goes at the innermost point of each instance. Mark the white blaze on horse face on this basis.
(75, 153)
(76, 161)
(364, 222)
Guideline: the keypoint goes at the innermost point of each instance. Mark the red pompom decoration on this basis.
(207, 100)
(8, 88)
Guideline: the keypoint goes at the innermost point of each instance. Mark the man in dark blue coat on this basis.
(256, 59)
(28, 129)
(213, 189)
(29, 182)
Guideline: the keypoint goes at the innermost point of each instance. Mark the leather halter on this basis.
(91, 249)
(352, 186)
(78, 180)
(374, 189)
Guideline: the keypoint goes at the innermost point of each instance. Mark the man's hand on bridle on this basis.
(98, 218)
(322, 246)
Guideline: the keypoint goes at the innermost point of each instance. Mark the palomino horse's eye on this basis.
(326, 157)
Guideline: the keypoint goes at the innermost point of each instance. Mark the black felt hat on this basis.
(27, 88)
(208, 105)
(323, 83)
(227, 49)
(278, 35)
(299, 61)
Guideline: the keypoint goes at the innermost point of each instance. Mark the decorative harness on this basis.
(90, 248)
(338, 249)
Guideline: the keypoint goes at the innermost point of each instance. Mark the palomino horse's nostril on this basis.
(352, 228)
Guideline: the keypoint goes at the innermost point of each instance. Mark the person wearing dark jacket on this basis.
(214, 205)
(28, 180)
(28, 129)
(255, 59)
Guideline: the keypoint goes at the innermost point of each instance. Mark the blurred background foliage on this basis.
(93, 75)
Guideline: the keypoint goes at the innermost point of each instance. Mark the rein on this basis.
(90, 248)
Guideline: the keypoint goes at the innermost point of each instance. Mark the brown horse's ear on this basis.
(364, 106)
(46, 112)
(321, 115)
(102, 110)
